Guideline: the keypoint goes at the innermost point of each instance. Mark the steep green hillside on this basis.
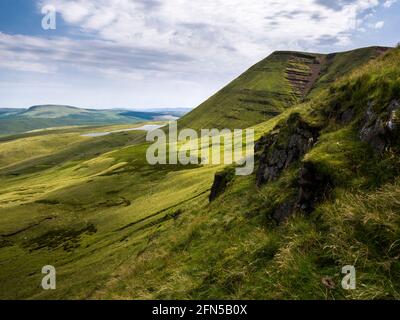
(339, 64)
(271, 86)
(324, 195)
(260, 93)
(333, 203)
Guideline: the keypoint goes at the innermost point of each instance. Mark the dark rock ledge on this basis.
(313, 187)
(282, 147)
(288, 143)
(380, 131)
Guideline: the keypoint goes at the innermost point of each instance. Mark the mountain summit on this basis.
(282, 80)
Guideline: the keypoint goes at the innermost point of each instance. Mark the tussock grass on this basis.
(364, 230)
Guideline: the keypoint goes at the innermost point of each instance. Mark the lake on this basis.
(148, 127)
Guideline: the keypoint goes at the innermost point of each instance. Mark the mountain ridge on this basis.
(266, 89)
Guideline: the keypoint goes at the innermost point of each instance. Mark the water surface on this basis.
(147, 127)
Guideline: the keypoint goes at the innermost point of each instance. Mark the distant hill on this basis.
(53, 112)
(283, 79)
(8, 111)
(14, 121)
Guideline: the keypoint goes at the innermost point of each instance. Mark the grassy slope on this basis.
(80, 209)
(231, 248)
(340, 64)
(117, 228)
(263, 91)
(258, 94)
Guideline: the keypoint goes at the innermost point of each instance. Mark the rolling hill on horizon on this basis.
(324, 194)
(13, 120)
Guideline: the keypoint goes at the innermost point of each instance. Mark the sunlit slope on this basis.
(260, 93)
(116, 227)
(233, 249)
(85, 207)
(273, 85)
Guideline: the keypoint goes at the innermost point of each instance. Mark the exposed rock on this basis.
(285, 145)
(394, 116)
(313, 187)
(284, 211)
(220, 183)
(347, 116)
(303, 78)
(379, 130)
(265, 141)
(373, 130)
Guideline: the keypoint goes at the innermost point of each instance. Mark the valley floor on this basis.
(116, 228)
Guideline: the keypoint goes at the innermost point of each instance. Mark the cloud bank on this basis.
(183, 40)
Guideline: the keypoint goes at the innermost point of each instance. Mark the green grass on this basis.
(341, 64)
(82, 213)
(116, 227)
(231, 248)
(263, 91)
(257, 95)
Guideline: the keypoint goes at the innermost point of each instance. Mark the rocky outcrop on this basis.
(284, 211)
(313, 187)
(303, 71)
(347, 116)
(220, 183)
(394, 116)
(285, 145)
(335, 112)
(380, 130)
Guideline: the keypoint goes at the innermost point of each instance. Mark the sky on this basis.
(167, 53)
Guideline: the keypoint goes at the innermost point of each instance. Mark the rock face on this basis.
(380, 130)
(313, 187)
(394, 116)
(303, 79)
(220, 183)
(284, 211)
(347, 116)
(285, 145)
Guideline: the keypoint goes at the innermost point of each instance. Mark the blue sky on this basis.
(167, 53)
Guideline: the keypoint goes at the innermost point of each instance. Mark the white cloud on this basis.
(216, 28)
(389, 3)
(201, 43)
(55, 54)
(379, 25)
